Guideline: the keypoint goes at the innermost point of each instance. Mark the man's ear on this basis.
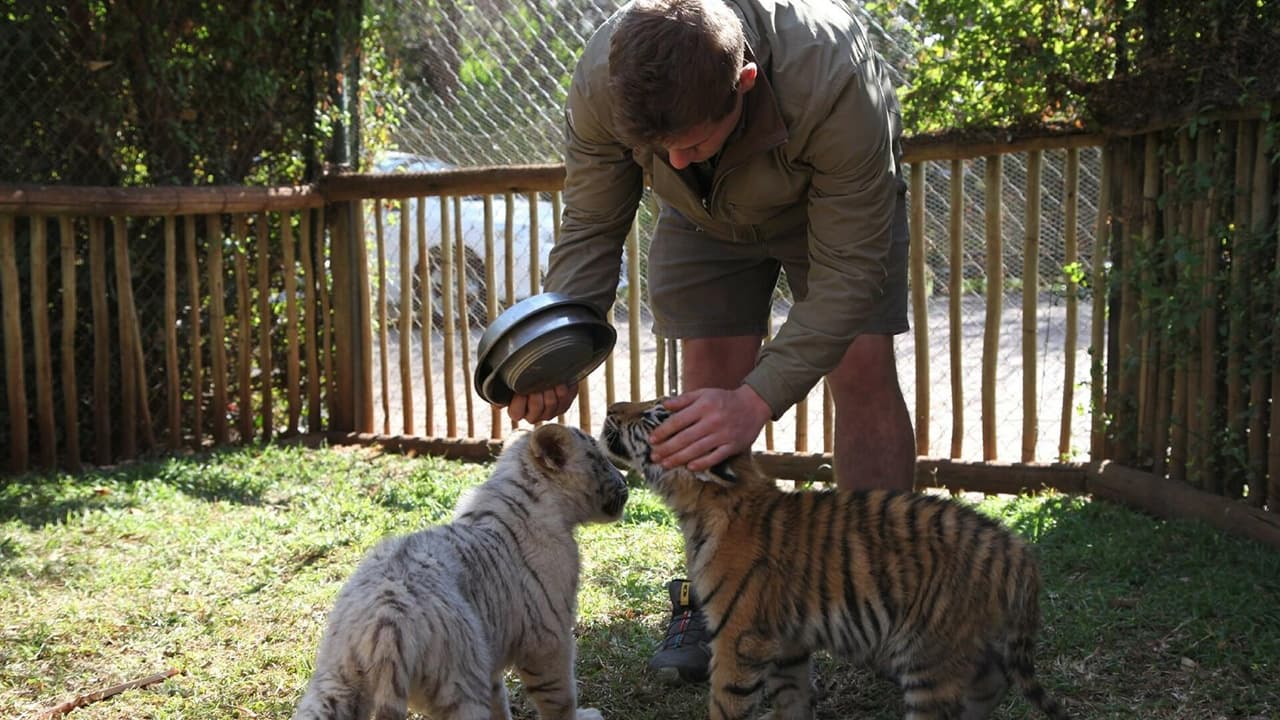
(747, 77)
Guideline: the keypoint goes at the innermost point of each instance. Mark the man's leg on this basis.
(874, 442)
(718, 362)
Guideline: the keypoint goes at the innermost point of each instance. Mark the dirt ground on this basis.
(474, 418)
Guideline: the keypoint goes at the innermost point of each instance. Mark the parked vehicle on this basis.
(468, 215)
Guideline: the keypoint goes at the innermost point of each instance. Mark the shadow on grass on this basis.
(40, 499)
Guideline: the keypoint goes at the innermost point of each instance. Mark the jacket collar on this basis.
(763, 128)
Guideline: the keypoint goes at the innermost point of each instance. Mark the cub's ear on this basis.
(550, 445)
(720, 474)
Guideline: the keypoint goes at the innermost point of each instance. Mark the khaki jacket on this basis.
(820, 145)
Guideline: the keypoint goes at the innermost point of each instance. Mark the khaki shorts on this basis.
(703, 286)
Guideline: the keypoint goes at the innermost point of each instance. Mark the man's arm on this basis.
(851, 205)
(602, 190)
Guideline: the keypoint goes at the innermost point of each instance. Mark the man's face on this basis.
(702, 141)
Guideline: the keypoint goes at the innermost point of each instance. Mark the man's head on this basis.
(677, 72)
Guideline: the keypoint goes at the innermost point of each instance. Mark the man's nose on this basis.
(679, 159)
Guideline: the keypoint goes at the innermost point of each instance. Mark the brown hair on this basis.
(673, 65)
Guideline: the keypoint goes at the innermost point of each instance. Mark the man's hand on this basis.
(708, 426)
(546, 405)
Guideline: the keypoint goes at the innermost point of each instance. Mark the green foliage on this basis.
(162, 92)
(1004, 62)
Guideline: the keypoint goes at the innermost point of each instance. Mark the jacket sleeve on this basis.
(851, 205)
(602, 190)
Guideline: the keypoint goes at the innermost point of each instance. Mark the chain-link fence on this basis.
(479, 84)
(489, 89)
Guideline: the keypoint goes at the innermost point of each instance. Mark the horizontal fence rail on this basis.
(184, 317)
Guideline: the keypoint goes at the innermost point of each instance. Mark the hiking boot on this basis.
(684, 655)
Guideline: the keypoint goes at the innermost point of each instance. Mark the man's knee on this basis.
(719, 362)
(868, 371)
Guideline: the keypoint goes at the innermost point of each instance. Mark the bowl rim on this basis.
(486, 379)
(491, 387)
(525, 309)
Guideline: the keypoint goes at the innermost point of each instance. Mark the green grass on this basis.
(224, 567)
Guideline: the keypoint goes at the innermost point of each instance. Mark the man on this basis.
(770, 135)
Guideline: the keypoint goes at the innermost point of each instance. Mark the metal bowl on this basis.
(540, 342)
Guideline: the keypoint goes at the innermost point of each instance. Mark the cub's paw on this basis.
(589, 714)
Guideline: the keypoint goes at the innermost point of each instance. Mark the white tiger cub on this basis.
(431, 620)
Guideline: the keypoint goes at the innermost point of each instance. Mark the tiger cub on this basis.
(928, 591)
(431, 620)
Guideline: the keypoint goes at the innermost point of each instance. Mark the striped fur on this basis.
(431, 620)
(928, 591)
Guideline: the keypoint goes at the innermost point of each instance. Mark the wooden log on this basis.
(1263, 384)
(324, 279)
(509, 238)
(1150, 369)
(362, 379)
(491, 302)
(1209, 348)
(244, 334)
(266, 363)
(405, 318)
(342, 334)
(28, 199)
(102, 381)
(464, 316)
(1162, 400)
(424, 299)
(217, 329)
(42, 343)
(70, 321)
(954, 475)
(459, 449)
(993, 186)
(381, 308)
(1124, 405)
(173, 395)
(129, 391)
(921, 149)
(481, 180)
(920, 308)
(447, 312)
(801, 410)
(633, 312)
(1070, 257)
(310, 308)
(535, 255)
(1238, 302)
(1260, 387)
(195, 340)
(15, 380)
(955, 286)
(292, 368)
(1190, 407)
(828, 417)
(994, 478)
(1178, 501)
(1100, 288)
(1030, 293)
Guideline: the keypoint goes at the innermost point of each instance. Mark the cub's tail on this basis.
(1020, 655)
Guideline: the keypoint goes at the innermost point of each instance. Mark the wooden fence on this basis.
(225, 315)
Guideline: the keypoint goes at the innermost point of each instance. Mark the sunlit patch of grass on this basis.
(225, 565)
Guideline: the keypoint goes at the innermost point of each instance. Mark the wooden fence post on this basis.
(352, 326)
